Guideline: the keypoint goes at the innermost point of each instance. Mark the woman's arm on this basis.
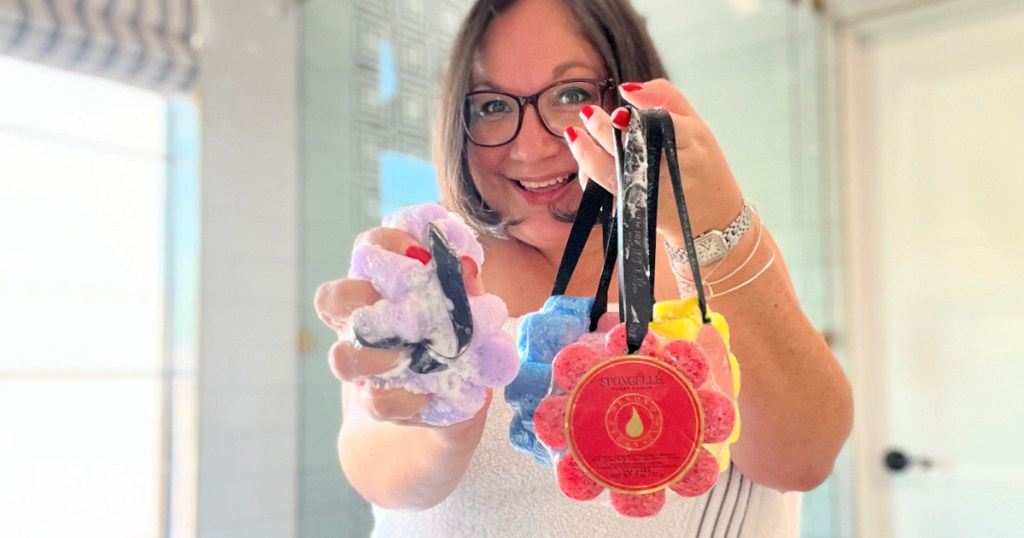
(403, 466)
(795, 403)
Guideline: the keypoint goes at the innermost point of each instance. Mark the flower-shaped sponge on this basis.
(561, 321)
(414, 309)
(699, 353)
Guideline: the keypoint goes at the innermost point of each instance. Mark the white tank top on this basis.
(506, 493)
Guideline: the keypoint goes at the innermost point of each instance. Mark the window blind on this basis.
(148, 43)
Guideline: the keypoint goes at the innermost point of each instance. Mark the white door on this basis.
(933, 152)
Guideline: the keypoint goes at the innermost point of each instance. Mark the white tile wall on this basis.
(332, 216)
(248, 393)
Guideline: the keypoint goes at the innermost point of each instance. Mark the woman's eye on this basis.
(491, 108)
(574, 96)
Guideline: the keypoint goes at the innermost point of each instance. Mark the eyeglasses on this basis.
(494, 118)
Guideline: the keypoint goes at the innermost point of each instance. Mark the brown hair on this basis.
(612, 27)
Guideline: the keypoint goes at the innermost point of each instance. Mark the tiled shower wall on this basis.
(248, 266)
(754, 70)
(371, 71)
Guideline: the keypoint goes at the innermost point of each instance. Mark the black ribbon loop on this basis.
(672, 157)
(640, 155)
(596, 205)
(638, 169)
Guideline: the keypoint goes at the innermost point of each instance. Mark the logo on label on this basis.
(634, 421)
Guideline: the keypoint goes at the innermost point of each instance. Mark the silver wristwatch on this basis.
(715, 244)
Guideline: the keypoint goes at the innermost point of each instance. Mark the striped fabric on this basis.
(147, 43)
(726, 507)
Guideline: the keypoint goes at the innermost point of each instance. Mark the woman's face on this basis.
(532, 45)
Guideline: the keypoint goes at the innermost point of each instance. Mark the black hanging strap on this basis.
(610, 255)
(596, 202)
(655, 141)
(634, 188)
(638, 169)
(684, 217)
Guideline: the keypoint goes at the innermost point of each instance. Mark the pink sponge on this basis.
(689, 359)
(549, 422)
(574, 483)
(719, 415)
(572, 362)
(700, 478)
(615, 343)
(638, 505)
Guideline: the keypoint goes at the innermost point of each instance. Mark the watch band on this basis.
(715, 244)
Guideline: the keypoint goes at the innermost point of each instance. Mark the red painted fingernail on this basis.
(631, 87)
(418, 253)
(586, 111)
(620, 119)
(472, 270)
(570, 133)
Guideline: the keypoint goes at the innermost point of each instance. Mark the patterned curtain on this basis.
(148, 43)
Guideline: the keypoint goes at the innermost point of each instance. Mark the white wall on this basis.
(248, 391)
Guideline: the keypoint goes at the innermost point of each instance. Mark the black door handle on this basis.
(897, 461)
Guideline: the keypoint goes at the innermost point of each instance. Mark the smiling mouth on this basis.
(546, 185)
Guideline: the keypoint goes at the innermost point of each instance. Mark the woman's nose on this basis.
(534, 142)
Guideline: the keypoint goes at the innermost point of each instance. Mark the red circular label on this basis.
(634, 424)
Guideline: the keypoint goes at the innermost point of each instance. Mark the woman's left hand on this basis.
(797, 405)
(712, 195)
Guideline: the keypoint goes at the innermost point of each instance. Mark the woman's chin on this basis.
(542, 231)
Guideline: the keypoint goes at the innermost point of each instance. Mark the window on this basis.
(83, 427)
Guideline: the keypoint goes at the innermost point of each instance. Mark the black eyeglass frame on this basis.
(603, 85)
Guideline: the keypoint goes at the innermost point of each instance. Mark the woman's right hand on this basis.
(354, 363)
(375, 438)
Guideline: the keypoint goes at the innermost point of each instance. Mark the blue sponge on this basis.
(542, 334)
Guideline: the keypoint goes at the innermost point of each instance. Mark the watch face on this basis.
(711, 247)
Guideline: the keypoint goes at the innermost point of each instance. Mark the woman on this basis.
(516, 183)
